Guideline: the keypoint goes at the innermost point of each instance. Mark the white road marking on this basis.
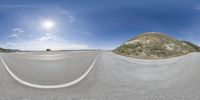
(49, 86)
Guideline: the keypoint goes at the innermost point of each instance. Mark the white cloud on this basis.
(13, 35)
(69, 17)
(47, 36)
(13, 6)
(18, 30)
(15, 32)
(42, 43)
(37, 45)
(197, 7)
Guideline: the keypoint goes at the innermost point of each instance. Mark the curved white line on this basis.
(48, 86)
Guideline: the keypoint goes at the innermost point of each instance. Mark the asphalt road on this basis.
(113, 77)
(49, 68)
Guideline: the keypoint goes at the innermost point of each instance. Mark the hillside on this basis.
(8, 50)
(192, 45)
(154, 45)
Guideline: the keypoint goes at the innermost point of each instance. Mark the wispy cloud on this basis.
(17, 6)
(35, 39)
(197, 7)
(69, 16)
(38, 45)
(47, 41)
(85, 33)
(18, 30)
(47, 36)
(15, 32)
(13, 35)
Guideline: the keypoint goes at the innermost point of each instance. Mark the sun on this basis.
(47, 24)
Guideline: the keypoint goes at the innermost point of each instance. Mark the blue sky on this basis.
(94, 24)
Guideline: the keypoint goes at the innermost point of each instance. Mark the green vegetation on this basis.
(154, 45)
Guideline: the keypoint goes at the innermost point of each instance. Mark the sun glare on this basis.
(48, 24)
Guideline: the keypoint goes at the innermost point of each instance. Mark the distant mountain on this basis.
(8, 50)
(192, 45)
(155, 45)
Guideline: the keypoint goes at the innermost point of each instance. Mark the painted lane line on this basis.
(49, 86)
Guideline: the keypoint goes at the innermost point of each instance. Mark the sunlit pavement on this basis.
(113, 77)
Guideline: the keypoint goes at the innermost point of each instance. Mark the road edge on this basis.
(49, 86)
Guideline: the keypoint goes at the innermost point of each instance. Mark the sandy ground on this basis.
(116, 77)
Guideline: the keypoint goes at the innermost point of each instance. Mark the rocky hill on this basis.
(155, 45)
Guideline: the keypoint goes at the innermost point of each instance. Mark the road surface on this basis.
(48, 68)
(113, 77)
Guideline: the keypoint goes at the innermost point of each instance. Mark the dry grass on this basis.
(154, 45)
